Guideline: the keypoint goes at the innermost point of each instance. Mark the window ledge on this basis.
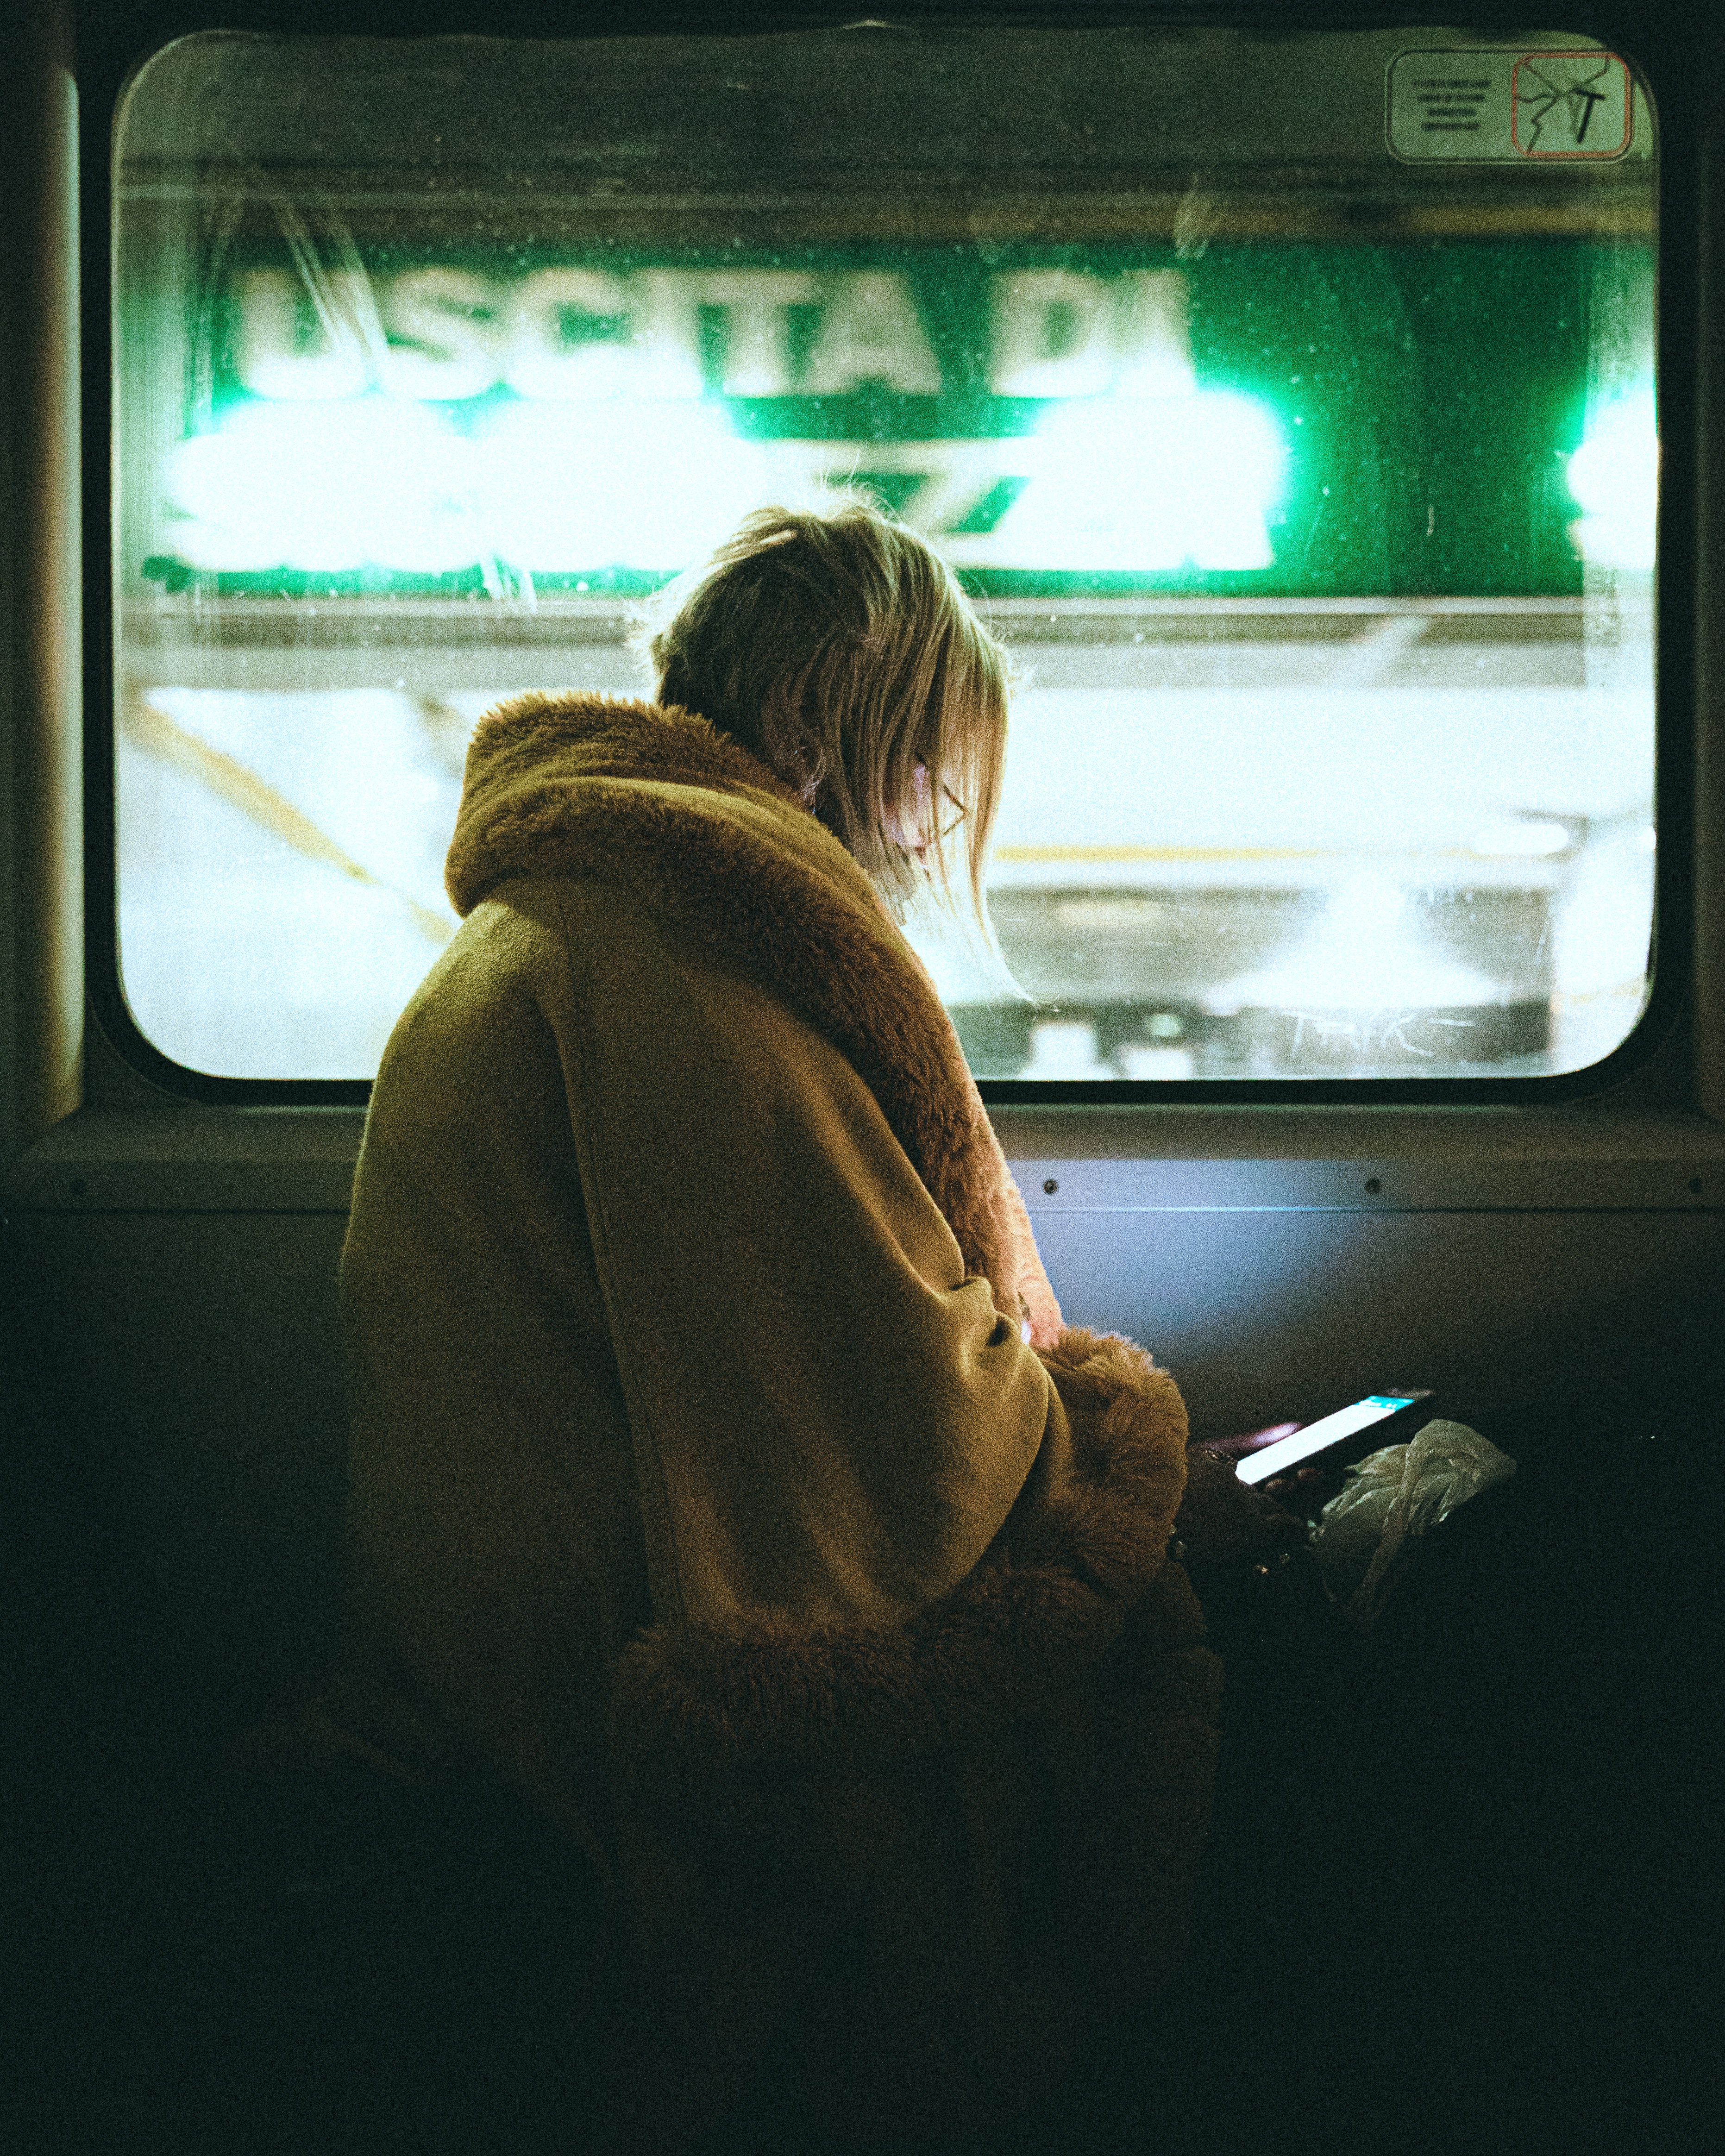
(191, 1160)
(1149, 1159)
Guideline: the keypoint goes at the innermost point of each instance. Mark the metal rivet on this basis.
(1695, 1184)
(79, 1189)
(1373, 1185)
(1050, 1186)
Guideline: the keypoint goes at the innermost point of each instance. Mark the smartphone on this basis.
(1304, 1447)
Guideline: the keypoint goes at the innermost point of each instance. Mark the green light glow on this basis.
(1615, 476)
(1250, 422)
(377, 482)
(1151, 484)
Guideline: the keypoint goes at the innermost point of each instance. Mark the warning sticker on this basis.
(1505, 106)
(1571, 105)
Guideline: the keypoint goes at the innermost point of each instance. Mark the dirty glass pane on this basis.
(1287, 401)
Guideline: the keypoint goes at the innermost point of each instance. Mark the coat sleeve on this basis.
(831, 1423)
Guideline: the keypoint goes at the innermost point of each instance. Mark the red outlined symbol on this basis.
(1570, 105)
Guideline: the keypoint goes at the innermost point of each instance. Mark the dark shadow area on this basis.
(203, 1964)
(1455, 1897)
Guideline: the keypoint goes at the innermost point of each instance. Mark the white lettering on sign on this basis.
(1070, 333)
(870, 332)
(1051, 334)
(664, 342)
(574, 335)
(561, 335)
(288, 346)
(441, 330)
(1152, 335)
(756, 362)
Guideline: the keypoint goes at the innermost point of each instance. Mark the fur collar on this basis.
(656, 798)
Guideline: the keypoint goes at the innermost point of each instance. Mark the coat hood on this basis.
(655, 797)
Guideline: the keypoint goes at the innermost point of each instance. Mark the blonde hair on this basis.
(842, 651)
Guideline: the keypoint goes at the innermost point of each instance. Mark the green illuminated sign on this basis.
(1287, 420)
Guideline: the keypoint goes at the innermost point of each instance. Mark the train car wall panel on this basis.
(191, 1361)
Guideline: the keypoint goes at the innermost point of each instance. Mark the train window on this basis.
(1288, 401)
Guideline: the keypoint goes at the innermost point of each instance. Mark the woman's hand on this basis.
(1224, 1523)
(1314, 1487)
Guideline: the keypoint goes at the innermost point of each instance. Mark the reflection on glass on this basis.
(1296, 424)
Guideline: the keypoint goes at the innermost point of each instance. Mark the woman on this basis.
(723, 1476)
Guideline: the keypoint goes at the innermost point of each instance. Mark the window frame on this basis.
(122, 43)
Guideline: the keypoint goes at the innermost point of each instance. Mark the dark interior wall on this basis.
(191, 1363)
(1453, 1884)
(1267, 1315)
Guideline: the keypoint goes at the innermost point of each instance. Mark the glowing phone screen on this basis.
(1318, 1436)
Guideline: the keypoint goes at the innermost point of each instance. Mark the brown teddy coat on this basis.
(722, 1474)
